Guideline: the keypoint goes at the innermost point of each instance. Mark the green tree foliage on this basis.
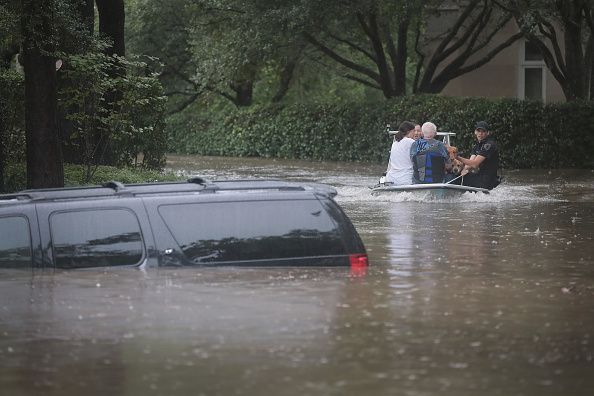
(9, 31)
(222, 48)
(240, 48)
(161, 29)
(12, 128)
(134, 119)
(134, 123)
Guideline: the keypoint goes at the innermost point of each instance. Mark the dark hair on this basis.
(403, 130)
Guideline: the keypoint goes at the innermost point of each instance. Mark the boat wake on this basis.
(502, 194)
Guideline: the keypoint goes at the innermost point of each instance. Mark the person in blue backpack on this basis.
(429, 156)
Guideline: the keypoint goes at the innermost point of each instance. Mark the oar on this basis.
(455, 178)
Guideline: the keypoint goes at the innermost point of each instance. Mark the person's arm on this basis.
(471, 163)
(474, 161)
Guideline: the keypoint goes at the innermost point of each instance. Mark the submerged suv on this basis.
(193, 223)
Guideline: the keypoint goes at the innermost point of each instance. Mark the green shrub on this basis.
(529, 134)
(75, 175)
(133, 122)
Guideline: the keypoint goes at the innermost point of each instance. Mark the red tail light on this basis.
(359, 264)
(359, 260)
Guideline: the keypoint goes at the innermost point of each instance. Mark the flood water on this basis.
(481, 295)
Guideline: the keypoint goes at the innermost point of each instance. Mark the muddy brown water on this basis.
(481, 295)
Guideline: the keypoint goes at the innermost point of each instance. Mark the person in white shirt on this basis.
(400, 166)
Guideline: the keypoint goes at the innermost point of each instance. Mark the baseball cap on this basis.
(482, 125)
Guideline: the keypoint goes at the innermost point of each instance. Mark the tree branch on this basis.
(385, 78)
(364, 82)
(470, 35)
(454, 31)
(551, 34)
(354, 46)
(487, 58)
(421, 59)
(222, 93)
(343, 61)
(549, 60)
(184, 104)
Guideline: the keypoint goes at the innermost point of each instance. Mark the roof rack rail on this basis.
(115, 185)
(209, 185)
(199, 180)
(13, 196)
(192, 185)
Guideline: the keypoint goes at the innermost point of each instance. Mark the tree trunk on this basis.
(286, 75)
(576, 76)
(243, 93)
(44, 155)
(370, 26)
(589, 67)
(2, 156)
(111, 25)
(402, 54)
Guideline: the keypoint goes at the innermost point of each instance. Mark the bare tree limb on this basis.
(451, 35)
(385, 80)
(551, 34)
(487, 58)
(343, 61)
(354, 46)
(362, 81)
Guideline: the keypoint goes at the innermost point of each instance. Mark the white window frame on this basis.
(526, 64)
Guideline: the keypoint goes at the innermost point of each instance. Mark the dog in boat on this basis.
(457, 165)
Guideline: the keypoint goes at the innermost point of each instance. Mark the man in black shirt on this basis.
(480, 169)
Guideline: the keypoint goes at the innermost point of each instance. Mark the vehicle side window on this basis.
(15, 242)
(252, 230)
(96, 238)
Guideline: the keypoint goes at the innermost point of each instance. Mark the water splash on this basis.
(502, 194)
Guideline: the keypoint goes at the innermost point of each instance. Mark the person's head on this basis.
(481, 130)
(406, 128)
(418, 133)
(429, 130)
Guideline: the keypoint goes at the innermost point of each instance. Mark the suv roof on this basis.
(192, 185)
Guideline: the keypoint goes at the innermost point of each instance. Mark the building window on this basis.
(532, 73)
(533, 83)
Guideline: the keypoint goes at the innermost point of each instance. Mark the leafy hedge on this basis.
(530, 135)
(75, 175)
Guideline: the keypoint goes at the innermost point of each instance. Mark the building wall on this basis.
(503, 76)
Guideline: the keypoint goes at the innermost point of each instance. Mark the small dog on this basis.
(457, 165)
